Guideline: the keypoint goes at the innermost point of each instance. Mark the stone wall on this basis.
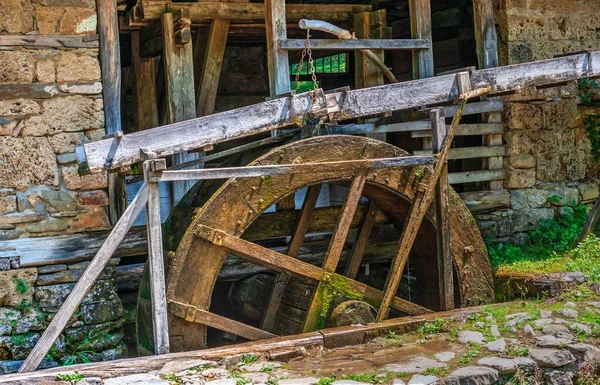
(548, 150)
(50, 102)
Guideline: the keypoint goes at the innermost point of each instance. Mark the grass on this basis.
(248, 359)
(435, 327)
(71, 377)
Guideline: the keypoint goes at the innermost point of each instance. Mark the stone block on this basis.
(519, 52)
(66, 142)
(67, 158)
(550, 168)
(518, 200)
(93, 198)
(522, 161)
(518, 143)
(57, 200)
(17, 347)
(576, 164)
(6, 192)
(8, 204)
(520, 178)
(537, 198)
(50, 225)
(95, 218)
(16, 16)
(67, 276)
(16, 286)
(567, 195)
(51, 297)
(73, 181)
(525, 220)
(102, 311)
(71, 67)
(51, 269)
(523, 116)
(27, 161)
(66, 114)
(65, 20)
(588, 191)
(22, 217)
(16, 66)
(45, 71)
(560, 114)
(17, 108)
(102, 335)
(85, 89)
(5, 235)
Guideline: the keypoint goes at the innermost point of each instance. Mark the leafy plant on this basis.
(172, 378)
(468, 356)
(73, 376)
(22, 286)
(518, 351)
(248, 359)
(326, 380)
(434, 327)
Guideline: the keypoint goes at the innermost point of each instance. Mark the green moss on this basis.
(21, 285)
(71, 377)
(328, 293)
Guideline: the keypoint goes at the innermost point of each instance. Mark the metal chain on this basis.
(307, 51)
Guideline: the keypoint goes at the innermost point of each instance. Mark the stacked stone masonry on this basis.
(50, 102)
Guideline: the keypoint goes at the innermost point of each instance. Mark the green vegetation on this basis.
(248, 359)
(22, 286)
(327, 293)
(518, 351)
(172, 378)
(73, 376)
(326, 380)
(589, 93)
(468, 356)
(437, 326)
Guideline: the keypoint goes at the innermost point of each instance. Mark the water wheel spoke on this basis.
(281, 262)
(360, 244)
(194, 314)
(282, 279)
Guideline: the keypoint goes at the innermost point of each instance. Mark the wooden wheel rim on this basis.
(197, 262)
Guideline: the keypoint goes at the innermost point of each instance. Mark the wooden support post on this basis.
(360, 244)
(179, 83)
(144, 86)
(110, 64)
(278, 63)
(487, 53)
(334, 251)
(155, 257)
(89, 276)
(442, 214)
(282, 279)
(591, 223)
(211, 69)
(420, 27)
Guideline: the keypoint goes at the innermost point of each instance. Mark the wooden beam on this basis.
(442, 215)
(211, 68)
(475, 176)
(282, 112)
(277, 59)
(56, 41)
(281, 262)
(487, 200)
(85, 283)
(200, 11)
(467, 130)
(470, 152)
(194, 314)
(282, 279)
(420, 27)
(179, 81)
(296, 168)
(144, 86)
(361, 242)
(357, 44)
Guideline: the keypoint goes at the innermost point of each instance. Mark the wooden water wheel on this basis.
(232, 271)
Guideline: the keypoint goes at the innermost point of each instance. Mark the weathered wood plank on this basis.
(475, 176)
(298, 168)
(58, 41)
(28, 90)
(195, 314)
(282, 279)
(591, 223)
(470, 152)
(356, 44)
(361, 242)
(277, 59)
(144, 88)
(483, 201)
(420, 28)
(467, 130)
(211, 67)
(152, 9)
(91, 273)
(442, 214)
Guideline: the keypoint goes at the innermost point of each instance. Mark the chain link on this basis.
(307, 51)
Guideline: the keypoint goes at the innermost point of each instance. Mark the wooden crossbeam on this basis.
(475, 176)
(360, 244)
(58, 41)
(281, 262)
(279, 113)
(194, 314)
(300, 168)
(356, 44)
(470, 152)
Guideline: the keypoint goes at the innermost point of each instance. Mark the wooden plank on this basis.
(28, 90)
(179, 83)
(58, 41)
(144, 86)
(277, 60)
(420, 28)
(467, 130)
(442, 215)
(484, 201)
(251, 11)
(194, 314)
(475, 176)
(211, 69)
(297, 168)
(470, 152)
(91, 273)
(158, 293)
(281, 262)
(276, 114)
(361, 242)
(415, 216)
(356, 44)
(334, 250)
(282, 279)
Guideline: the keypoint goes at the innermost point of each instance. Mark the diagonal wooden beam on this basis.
(195, 314)
(362, 239)
(281, 262)
(211, 68)
(282, 279)
(417, 211)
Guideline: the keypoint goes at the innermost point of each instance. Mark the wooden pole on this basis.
(144, 86)
(442, 214)
(278, 62)
(591, 223)
(156, 262)
(89, 276)
(420, 27)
